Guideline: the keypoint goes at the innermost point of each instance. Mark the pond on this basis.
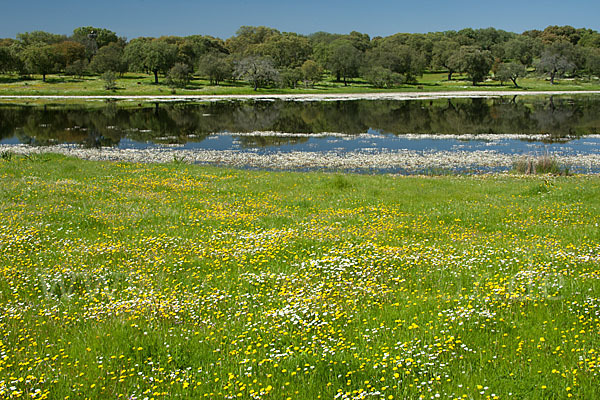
(510, 126)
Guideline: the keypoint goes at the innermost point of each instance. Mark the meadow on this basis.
(131, 84)
(166, 281)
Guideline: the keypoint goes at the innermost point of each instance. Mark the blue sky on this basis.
(221, 18)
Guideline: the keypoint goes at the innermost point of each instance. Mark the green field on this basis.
(172, 281)
(140, 84)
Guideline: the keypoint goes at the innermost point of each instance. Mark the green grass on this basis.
(545, 164)
(141, 84)
(123, 280)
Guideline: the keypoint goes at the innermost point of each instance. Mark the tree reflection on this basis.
(561, 118)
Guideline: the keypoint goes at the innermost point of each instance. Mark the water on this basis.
(569, 125)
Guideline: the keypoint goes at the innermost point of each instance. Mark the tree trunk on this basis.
(155, 76)
(345, 83)
(43, 77)
(552, 74)
(514, 80)
(255, 86)
(338, 76)
(450, 75)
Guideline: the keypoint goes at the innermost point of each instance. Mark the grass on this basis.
(545, 164)
(167, 281)
(141, 84)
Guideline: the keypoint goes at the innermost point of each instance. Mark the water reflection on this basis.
(559, 117)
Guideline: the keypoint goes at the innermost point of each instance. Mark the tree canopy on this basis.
(556, 51)
(153, 55)
(259, 71)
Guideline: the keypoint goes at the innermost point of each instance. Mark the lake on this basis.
(511, 126)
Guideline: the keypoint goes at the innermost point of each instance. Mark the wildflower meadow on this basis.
(176, 281)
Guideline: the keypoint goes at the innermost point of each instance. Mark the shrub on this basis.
(311, 72)
(179, 76)
(381, 77)
(524, 166)
(542, 165)
(110, 80)
(550, 165)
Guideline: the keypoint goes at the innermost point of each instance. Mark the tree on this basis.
(556, 33)
(7, 60)
(287, 51)
(39, 37)
(160, 57)
(489, 38)
(93, 39)
(422, 44)
(179, 75)
(192, 48)
(103, 36)
(465, 37)
(151, 55)
(398, 58)
(444, 52)
(323, 37)
(311, 72)
(557, 59)
(592, 62)
(109, 58)
(69, 52)
(77, 68)
(41, 59)
(361, 41)
(321, 53)
(511, 71)
(474, 62)
(134, 54)
(247, 38)
(14, 60)
(289, 77)
(259, 71)
(590, 39)
(216, 67)
(343, 60)
(522, 49)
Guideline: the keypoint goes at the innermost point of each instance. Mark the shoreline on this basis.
(309, 97)
(400, 161)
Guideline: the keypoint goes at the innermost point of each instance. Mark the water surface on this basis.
(508, 125)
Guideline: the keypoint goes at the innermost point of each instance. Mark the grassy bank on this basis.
(175, 281)
(140, 84)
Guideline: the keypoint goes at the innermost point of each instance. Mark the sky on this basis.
(222, 18)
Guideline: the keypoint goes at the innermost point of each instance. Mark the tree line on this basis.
(264, 56)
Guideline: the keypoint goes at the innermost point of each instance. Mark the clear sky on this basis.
(221, 18)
